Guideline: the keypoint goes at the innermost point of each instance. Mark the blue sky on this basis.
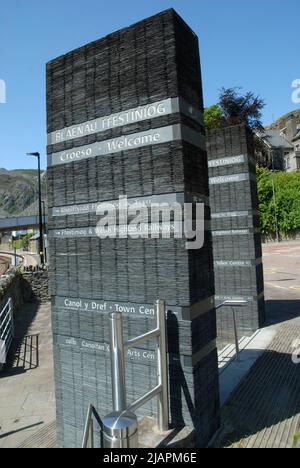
(254, 45)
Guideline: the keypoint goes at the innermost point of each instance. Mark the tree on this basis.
(213, 117)
(241, 109)
(234, 108)
(287, 210)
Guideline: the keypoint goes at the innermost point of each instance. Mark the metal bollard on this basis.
(117, 357)
(163, 402)
(120, 430)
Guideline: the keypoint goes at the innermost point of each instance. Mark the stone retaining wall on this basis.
(36, 283)
(25, 286)
(11, 286)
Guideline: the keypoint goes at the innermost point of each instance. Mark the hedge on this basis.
(287, 194)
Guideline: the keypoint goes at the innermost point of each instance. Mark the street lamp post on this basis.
(45, 229)
(41, 240)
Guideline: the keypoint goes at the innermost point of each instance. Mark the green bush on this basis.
(287, 192)
(213, 117)
(22, 243)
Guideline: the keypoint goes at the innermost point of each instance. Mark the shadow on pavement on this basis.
(267, 397)
(281, 310)
(24, 351)
(7, 434)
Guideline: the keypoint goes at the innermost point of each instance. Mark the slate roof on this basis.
(35, 237)
(275, 140)
(297, 136)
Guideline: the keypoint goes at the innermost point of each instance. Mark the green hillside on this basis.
(18, 190)
(281, 122)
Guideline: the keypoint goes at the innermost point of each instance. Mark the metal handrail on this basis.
(118, 348)
(237, 303)
(88, 434)
(145, 398)
(141, 339)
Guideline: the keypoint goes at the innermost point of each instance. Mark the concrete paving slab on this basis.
(27, 394)
(232, 374)
(263, 409)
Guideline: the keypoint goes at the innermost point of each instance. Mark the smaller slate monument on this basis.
(235, 228)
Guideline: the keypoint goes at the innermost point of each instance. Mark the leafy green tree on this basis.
(213, 117)
(23, 242)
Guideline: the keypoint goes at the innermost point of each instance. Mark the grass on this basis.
(284, 118)
(296, 439)
(26, 172)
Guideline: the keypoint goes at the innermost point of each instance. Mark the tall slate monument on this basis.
(235, 226)
(125, 118)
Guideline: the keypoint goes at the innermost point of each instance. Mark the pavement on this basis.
(27, 401)
(260, 393)
(27, 258)
(232, 370)
(4, 265)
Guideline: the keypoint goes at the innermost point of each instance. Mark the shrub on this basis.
(287, 193)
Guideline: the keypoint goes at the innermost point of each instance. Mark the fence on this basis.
(6, 331)
(120, 427)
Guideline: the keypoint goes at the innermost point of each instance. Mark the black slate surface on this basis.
(155, 59)
(236, 234)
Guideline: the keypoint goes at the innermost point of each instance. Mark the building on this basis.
(291, 133)
(274, 149)
(292, 160)
(290, 127)
(34, 243)
(279, 147)
(296, 140)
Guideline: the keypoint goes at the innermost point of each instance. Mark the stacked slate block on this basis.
(235, 227)
(154, 60)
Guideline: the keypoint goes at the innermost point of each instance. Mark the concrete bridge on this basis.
(20, 223)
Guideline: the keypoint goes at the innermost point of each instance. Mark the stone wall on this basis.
(10, 286)
(35, 285)
(28, 286)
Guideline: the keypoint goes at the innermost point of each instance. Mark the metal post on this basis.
(163, 398)
(117, 362)
(274, 200)
(41, 240)
(236, 338)
(15, 256)
(37, 350)
(275, 207)
(91, 433)
(45, 230)
(12, 317)
(86, 432)
(117, 351)
(120, 430)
